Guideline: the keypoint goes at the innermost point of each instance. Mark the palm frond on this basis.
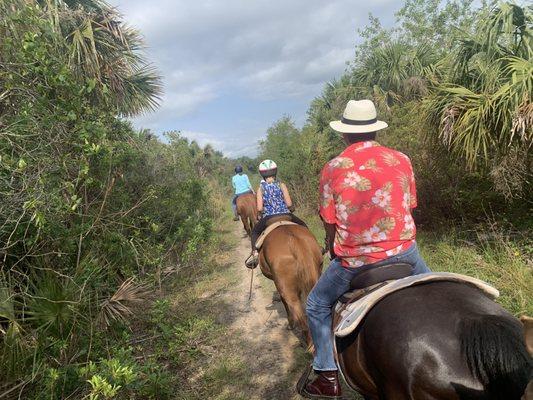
(484, 111)
(118, 306)
(105, 49)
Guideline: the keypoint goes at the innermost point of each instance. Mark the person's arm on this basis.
(259, 197)
(330, 238)
(327, 210)
(286, 195)
(233, 184)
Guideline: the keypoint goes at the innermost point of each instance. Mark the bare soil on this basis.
(262, 321)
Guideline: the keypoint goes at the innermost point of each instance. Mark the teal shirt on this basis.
(241, 183)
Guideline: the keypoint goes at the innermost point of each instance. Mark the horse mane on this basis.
(496, 355)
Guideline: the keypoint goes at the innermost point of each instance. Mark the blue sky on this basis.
(233, 67)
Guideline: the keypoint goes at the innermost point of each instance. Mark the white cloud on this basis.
(231, 147)
(203, 139)
(263, 49)
(289, 45)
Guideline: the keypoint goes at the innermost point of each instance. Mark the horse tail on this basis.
(254, 213)
(307, 271)
(252, 217)
(496, 355)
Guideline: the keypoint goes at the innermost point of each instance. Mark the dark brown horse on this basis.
(528, 336)
(292, 258)
(441, 340)
(247, 210)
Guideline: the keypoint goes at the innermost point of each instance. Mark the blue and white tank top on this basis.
(273, 200)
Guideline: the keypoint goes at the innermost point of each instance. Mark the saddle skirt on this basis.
(351, 310)
(269, 229)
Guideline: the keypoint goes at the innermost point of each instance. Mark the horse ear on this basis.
(528, 332)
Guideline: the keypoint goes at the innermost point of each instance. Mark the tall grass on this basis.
(495, 258)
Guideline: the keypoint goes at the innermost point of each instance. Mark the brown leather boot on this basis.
(325, 386)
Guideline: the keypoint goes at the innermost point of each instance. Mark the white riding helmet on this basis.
(268, 168)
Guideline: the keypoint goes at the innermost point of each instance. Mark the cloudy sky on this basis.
(232, 67)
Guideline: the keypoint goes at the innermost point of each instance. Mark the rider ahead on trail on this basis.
(273, 200)
(366, 194)
(241, 185)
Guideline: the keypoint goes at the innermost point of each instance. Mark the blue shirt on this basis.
(273, 200)
(241, 183)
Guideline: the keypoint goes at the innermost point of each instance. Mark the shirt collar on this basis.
(361, 145)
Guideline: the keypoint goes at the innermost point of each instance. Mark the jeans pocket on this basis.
(344, 274)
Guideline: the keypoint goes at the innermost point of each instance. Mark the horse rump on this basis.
(496, 355)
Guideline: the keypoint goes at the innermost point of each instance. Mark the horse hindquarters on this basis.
(411, 344)
(247, 210)
(294, 260)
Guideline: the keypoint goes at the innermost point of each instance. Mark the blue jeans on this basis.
(333, 283)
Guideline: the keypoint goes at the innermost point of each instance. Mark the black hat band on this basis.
(354, 122)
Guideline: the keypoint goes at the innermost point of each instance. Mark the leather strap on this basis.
(269, 229)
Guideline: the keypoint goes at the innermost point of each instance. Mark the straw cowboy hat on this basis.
(359, 117)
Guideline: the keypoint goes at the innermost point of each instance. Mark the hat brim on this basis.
(345, 128)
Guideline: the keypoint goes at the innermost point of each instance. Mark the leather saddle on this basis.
(373, 278)
(278, 218)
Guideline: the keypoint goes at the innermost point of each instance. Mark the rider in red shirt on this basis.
(366, 197)
(374, 189)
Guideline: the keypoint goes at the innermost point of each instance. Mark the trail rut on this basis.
(262, 321)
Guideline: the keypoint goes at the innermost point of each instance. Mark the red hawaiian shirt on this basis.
(368, 192)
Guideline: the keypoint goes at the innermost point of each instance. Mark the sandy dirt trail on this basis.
(269, 345)
(274, 356)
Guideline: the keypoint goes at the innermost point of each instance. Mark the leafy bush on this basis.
(89, 206)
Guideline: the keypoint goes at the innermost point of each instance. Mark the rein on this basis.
(251, 282)
(251, 277)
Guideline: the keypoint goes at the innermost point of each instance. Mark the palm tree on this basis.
(483, 112)
(395, 72)
(106, 53)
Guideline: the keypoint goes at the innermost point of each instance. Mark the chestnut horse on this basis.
(247, 210)
(441, 340)
(292, 258)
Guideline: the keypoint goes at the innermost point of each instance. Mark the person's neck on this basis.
(270, 180)
(352, 138)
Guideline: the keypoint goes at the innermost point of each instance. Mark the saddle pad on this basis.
(269, 229)
(352, 314)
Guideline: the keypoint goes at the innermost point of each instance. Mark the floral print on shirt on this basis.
(368, 193)
(273, 200)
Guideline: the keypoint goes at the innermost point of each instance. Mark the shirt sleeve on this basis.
(327, 202)
(233, 183)
(248, 182)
